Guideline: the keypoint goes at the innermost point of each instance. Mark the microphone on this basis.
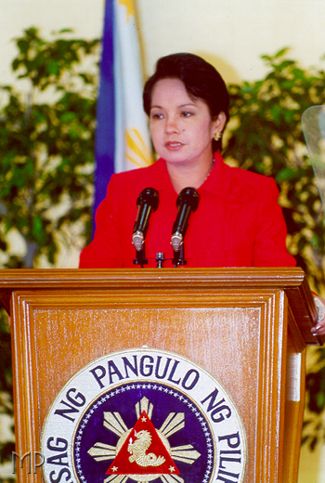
(147, 201)
(187, 201)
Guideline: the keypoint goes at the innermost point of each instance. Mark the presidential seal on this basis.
(141, 416)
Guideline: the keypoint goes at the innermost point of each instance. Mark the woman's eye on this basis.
(156, 115)
(187, 114)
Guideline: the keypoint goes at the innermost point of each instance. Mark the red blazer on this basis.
(238, 221)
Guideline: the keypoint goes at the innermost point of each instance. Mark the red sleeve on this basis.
(270, 247)
(104, 251)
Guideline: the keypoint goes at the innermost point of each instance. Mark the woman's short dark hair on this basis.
(201, 80)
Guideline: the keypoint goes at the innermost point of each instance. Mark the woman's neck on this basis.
(184, 175)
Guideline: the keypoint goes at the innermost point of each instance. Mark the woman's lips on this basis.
(174, 145)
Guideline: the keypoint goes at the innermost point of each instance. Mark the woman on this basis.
(238, 221)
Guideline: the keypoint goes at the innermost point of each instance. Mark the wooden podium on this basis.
(247, 327)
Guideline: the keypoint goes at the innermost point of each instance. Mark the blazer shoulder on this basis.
(251, 183)
(138, 175)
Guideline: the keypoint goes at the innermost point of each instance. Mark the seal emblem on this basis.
(139, 416)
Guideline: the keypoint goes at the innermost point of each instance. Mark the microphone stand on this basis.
(178, 258)
(160, 258)
(140, 257)
(187, 201)
(147, 202)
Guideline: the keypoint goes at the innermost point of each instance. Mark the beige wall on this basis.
(231, 33)
(85, 16)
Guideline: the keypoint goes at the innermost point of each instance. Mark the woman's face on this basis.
(181, 127)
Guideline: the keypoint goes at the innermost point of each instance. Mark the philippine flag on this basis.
(122, 138)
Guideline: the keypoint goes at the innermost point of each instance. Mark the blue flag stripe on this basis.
(105, 116)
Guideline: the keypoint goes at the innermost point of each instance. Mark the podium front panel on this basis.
(237, 335)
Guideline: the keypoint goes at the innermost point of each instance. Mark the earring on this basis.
(217, 135)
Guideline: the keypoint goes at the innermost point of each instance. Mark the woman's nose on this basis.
(172, 125)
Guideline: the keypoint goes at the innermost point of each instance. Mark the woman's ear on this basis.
(220, 122)
(218, 125)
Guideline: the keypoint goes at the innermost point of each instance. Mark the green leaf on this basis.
(53, 67)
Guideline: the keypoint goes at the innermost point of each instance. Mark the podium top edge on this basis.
(292, 280)
(92, 278)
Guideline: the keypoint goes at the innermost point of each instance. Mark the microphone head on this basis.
(190, 196)
(187, 201)
(150, 197)
(147, 201)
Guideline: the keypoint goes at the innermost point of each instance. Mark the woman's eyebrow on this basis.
(187, 104)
